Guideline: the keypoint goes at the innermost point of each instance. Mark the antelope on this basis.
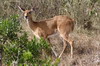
(62, 24)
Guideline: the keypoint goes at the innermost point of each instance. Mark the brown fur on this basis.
(63, 24)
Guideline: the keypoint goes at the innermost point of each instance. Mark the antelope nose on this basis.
(26, 17)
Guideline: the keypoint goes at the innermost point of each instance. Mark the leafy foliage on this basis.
(9, 28)
(17, 47)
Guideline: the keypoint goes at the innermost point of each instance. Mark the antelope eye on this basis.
(30, 12)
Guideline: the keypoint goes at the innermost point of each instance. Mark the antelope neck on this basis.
(29, 19)
(31, 23)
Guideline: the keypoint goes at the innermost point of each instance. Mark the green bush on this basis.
(9, 27)
(17, 47)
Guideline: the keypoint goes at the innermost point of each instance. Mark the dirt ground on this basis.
(86, 49)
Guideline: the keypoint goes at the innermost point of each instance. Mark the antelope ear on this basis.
(32, 9)
(22, 9)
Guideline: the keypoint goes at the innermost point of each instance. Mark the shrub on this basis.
(17, 48)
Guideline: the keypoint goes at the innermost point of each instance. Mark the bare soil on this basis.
(86, 49)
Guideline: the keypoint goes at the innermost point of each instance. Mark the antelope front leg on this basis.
(64, 46)
(52, 47)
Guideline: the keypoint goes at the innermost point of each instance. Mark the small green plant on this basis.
(17, 47)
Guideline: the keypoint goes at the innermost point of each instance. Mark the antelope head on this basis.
(27, 13)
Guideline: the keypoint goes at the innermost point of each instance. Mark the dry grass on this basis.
(87, 42)
(86, 50)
